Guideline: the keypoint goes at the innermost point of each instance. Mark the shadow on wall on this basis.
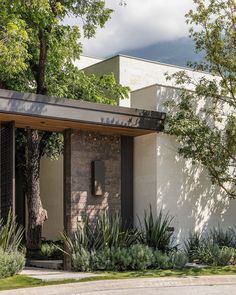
(165, 179)
(186, 191)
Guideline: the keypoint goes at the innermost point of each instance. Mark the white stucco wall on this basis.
(165, 180)
(107, 66)
(86, 61)
(51, 186)
(138, 73)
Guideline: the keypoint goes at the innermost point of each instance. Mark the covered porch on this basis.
(98, 152)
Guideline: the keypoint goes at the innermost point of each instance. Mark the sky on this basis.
(138, 24)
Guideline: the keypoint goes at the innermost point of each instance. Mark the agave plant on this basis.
(11, 234)
(222, 237)
(191, 246)
(109, 232)
(156, 231)
(106, 231)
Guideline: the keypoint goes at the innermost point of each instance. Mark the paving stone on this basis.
(54, 275)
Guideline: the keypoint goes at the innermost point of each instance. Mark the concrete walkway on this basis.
(223, 285)
(54, 275)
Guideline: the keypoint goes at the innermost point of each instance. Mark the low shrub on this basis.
(103, 259)
(122, 259)
(212, 254)
(178, 260)
(51, 250)
(137, 257)
(216, 248)
(223, 237)
(11, 263)
(81, 260)
(225, 256)
(141, 257)
(174, 260)
(161, 260)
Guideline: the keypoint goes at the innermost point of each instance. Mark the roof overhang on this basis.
(57, 114)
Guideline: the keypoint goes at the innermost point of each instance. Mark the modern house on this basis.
(122, 148)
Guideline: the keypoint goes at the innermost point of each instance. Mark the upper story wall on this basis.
(167, 181)
(86, 61)
(139, 73)
(153, 97)
(107, 66)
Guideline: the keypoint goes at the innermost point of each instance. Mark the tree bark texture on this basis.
(36, 213)
(41, 68)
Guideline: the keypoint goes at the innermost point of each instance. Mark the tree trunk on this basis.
(41, 68)
(36, 214)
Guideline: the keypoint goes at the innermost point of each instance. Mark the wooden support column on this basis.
(7, 168)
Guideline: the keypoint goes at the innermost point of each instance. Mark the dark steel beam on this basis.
(32, 105)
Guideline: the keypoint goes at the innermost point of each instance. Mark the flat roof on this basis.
(57, 114)
(184, 68)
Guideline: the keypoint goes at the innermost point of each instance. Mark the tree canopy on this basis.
(37, 54)
(38, 51)
(204, 120)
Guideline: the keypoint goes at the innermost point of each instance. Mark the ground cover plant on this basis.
(217, 247)
(49, 250)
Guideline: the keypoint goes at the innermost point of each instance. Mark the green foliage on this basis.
(141, 255)
(211, 254)
(178, 259)
(156, 231)
(81, 260)
(23, 22)
(174, 260)
(204, 120)
(11, 234)
(102, 259)
(122, 259)
(11, 263)
(34, 41)
(191, 246)
(223, 238)
(11, 259)
(137, 257)
(215, 248)
(51, 250)
(106, 245)
(38, 53)
(225, 256)
(106, 231)
(161, 260)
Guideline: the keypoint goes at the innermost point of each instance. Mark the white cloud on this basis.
(140, 23)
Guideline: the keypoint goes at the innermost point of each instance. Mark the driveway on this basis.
(212, 285)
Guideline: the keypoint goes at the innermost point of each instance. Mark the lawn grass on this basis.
(226, 270)
(22, 281)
